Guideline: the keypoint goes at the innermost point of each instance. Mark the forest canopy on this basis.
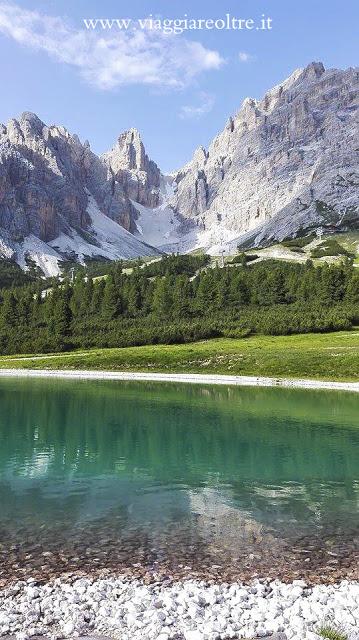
(177, 299)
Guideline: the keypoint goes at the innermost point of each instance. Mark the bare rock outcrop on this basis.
(130, 166)
(48, 179)
(283, 165)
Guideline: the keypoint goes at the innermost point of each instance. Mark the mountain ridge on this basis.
(254, 181)
(50, 186)
(284, 165)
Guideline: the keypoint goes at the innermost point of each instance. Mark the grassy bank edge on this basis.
(330, 357)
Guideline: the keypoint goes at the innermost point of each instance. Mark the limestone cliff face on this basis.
(47, 178)
(45, 173)
(42, 177)
(281, 165)
(130, 166)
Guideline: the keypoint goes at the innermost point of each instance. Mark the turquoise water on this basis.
(176, 469)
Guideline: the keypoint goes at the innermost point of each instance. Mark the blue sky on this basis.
(178, 90)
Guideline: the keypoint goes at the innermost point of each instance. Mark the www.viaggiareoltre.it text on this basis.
(179, 25)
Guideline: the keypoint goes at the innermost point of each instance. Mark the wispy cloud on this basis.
(244, 56)
(110, 60)
(197, 111)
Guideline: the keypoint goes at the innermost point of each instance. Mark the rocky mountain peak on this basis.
(128, 153)
(248, 104)
(58, 200)
(32, 122)
(31, 132)
(313, 71)
(200, 155)
(129, 164)
(283, 164)
(275, 96)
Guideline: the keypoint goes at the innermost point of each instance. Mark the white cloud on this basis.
(197, 111)
(108, 60)
(244, 56)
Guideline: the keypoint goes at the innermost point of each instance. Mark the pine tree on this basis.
(62, 313)
(276, 287)
(205, 293)
(97, 298)
(36, 308)
(244, 259)
(111, 304)
(25, 307)
(162, 297)
(182, 296)
(352, 290)
(9, 316)
(134, 295)
(87, 295)
(117, 273)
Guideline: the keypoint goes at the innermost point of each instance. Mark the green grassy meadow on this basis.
(330, 356)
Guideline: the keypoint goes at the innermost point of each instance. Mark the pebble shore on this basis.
(190, 610)
(187, 378)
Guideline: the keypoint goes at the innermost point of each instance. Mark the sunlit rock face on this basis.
(282, 165)
(129, 164)
(49, 184)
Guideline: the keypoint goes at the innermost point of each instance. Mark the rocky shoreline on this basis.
(189, 610)
(108, 549)
(191, 378)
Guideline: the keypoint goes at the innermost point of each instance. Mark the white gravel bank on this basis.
(192, 378)
(130, 610)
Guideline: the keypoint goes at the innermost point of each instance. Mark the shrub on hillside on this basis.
(330, 247)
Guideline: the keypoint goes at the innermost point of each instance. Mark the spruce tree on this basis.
(182, 297)
(62, 313)
(9, 309)
(134, 295)
(352, 290)
(111, 306)
(87, 295)
(162, 297)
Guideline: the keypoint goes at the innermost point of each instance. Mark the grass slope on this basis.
(333, 356)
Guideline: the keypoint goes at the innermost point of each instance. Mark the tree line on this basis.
(178, 299)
